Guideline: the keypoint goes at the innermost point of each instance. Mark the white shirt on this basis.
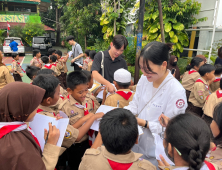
(170, 100)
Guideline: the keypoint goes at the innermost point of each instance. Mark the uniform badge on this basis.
(180, 103)
(212, 157)
(72, 112)
(201, 97)
(68, 134)
(166, 168)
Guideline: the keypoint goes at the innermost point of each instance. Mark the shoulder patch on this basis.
(92, 152)
(144, 164)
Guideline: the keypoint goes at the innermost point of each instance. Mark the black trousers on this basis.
(75, 154)
(76, 67)
(17, 77)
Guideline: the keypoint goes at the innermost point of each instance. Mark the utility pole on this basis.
(139, 40)
(161, 20)
(114, 19)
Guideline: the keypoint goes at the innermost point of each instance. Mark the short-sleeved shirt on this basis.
(77, 50)
(110, 66)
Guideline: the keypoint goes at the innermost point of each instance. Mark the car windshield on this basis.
(16, 40)
(41, 40)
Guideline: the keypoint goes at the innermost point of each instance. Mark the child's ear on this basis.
(170, 149)
(48, 100)
(114, 82)
(137, 140)
(69, 90)
(33, 77)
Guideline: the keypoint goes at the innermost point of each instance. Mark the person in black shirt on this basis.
(113, 61)
(219, 58)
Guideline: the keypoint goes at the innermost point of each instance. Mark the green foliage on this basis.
(2, 36)
(131, 69)
(177, 15)
(121, 17)
(182, 64)
(99, 46)
(130, 53)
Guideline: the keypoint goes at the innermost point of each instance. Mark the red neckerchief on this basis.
(217, 79)
(219, 95)
(54, 64)
(119, 166)
(38, 61)
(86, 112)
(209, 165)
(125, 95)
(12, 126)
(201, 81)
(19, 65)
(192, 71)
(40, 110)
(61, 97)
(48, 67)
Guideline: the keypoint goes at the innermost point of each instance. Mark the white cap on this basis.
(122, 76)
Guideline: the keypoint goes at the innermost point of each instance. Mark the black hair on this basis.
(11, 40)
(119, 131)
(59, 52)
(87, 74)
(190, 135)
(220, 52)
(87, 52)
(76, 78)
(156, 52)
(31, 71)
(51, 50)
(217, 117)
(47, 82)
(46, 71)
(45, 59)
(35, 52)
(53, 58)
(92, 54)
(218, 70)
(206, 68)
(14, 55)
(119, 41)
(194, 62)
(123, 85)
(70, 37)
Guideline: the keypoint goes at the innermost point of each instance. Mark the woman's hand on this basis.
(163, 162)
(53, 134)
(163, 120)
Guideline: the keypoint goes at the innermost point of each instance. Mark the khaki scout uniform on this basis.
(211, 102)
(95, 159)
(5, 77)
(134, 88)
(112, 99)
(74, 113)
(52, 68)
(94, 101)
(35, 61)
(16, 67)
(58, 68)
(64, 65)
(215, 85)
(90, 65)
(63, 92)
(61, 66)
(199, 93)
(216, 157)
(189, 78)
(71, 133)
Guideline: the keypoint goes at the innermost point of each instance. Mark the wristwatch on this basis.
(146, 124)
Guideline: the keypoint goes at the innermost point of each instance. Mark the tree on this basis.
(177, 15)
(2, 36)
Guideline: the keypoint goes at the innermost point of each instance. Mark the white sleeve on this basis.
(70, 54)
(177, 104)
(133, 105)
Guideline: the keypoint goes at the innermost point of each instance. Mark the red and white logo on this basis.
(180, 103)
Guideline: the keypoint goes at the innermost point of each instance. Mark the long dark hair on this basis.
(156, 52)
(190, 135)
(217, 117)
(194, 62)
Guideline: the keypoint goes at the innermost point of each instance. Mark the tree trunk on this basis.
(58, 15)
(114, 19)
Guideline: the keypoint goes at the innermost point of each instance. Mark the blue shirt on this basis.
(218, 61)
(13, 46)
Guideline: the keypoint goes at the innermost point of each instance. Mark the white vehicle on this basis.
(7, 49)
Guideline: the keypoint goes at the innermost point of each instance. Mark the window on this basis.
(33, 9)
(11, 8)
(18, 8)
(22, 7)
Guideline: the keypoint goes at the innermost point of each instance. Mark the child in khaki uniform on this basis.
(115, 154)
(192, 74)
(31, 72)
(122, 81)
(61, 62)
(17, 74)
(200, 90)
(36, 61)
(47, 65)
(215, 85)
(91, 55)
(87, 60)
(79, 109)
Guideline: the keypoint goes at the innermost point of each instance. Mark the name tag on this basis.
(74, 114)
(156, 105)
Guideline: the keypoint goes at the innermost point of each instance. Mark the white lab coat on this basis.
(204, 167)
(170, 100)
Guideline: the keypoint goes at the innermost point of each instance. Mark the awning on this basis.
(24, 1)
(3, 25)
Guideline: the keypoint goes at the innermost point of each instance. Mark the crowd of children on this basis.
(188, 141)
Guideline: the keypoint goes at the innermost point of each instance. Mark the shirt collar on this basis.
(45, 108)
(127, 90)
(73, 101)
(128, 158)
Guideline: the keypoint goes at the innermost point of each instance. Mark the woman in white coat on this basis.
(157, 92)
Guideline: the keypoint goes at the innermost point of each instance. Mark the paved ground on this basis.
(25, 61)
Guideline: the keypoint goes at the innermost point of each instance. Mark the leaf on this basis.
(179, 46)
(159, 39)
(174, 48)
(146, 16)
(155, 15)
(154, 28)
(171, 33)
(152, 36)
(174, 39)
(158, 25)
(104, 29)
(168, 27)
(178, 26)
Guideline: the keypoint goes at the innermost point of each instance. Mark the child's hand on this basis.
(21, 74)
(163, 162)
(104, 92)
(98, 90)
(99, 115)
(53, 135)
(58, 117)
(164, 119)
